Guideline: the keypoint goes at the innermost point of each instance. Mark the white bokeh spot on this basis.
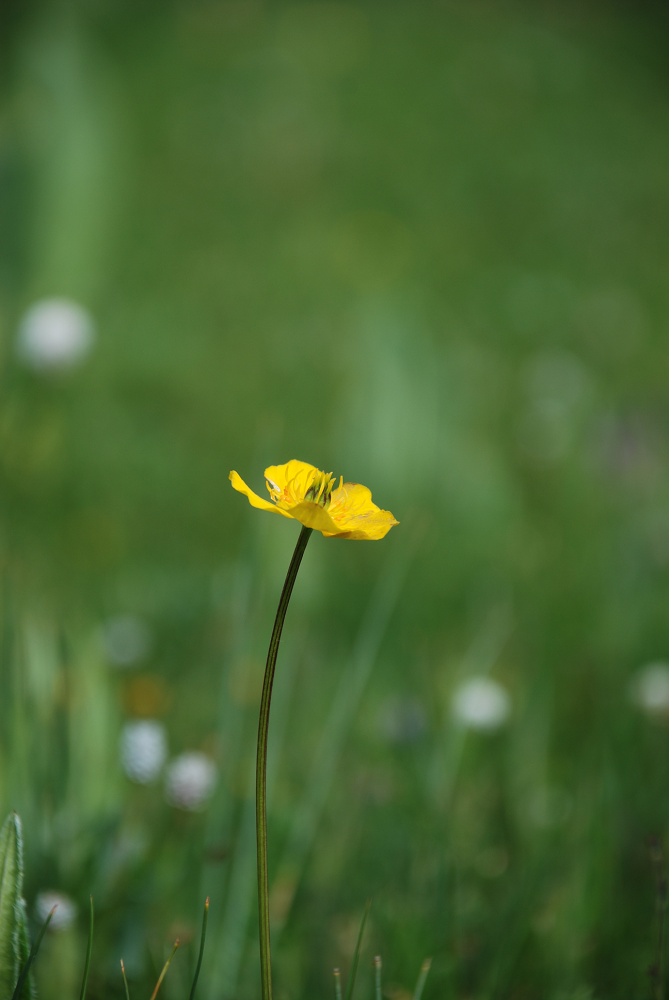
(190, 781)
(54, 335)
(144, 749)
(64, 914)
(481, 703)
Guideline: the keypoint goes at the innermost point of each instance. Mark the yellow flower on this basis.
(302, 492)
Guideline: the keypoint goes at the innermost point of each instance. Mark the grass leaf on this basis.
(338, 993)
(355, 957)
(123, 976)
(89, 948)
(422, 979)
(164, 970)
(23, 989)
(204, 925)
(11, 879)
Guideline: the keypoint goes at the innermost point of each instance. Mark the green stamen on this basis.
(320, 489)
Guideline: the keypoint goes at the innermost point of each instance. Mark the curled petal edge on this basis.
(255, 501)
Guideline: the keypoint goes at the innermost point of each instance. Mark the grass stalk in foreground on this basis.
(262, 753)
(164, 970)
(378, 973)
(422, 979)
(123, 976)
(89, 949)
(199, 961)
(19, 989)
(358, 947)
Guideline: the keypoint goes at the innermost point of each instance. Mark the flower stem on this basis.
(262, 752)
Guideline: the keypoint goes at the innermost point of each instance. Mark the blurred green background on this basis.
(420, 244)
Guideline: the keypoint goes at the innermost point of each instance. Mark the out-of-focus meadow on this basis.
(422, 245)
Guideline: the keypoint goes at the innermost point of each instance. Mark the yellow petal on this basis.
(371, 527)
(290, 481)
(349, 513)
(255, 500)
(313, 515)
(357, 516)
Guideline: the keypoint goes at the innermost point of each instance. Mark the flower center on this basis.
(320, 489)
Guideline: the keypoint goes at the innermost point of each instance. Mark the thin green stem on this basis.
(204, 926)
(262, 753)
(89, 949)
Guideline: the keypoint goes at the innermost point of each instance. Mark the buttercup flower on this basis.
(302, 492)
(307, 495)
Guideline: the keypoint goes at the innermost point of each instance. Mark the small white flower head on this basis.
(190, 781)
(54, 335)
(481, 703)
(650, 689)
(144, 749)
(64, 914)
(126, 640)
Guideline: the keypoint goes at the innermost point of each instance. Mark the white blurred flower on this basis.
(144, 748)
(481, 703)
(650, 688)
(190, 781)
(64, 914)
(54, 335)
(126, 639)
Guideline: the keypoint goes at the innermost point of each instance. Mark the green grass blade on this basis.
(422, 979)
(338, 992)
(123, 976)
(201, 949)
(355, 958)
(11, 881)
(164, 970)
(28, 992)
(89, 949)
(22, 989)
(378, 970)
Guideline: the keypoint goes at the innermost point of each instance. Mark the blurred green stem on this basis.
(262, 752)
